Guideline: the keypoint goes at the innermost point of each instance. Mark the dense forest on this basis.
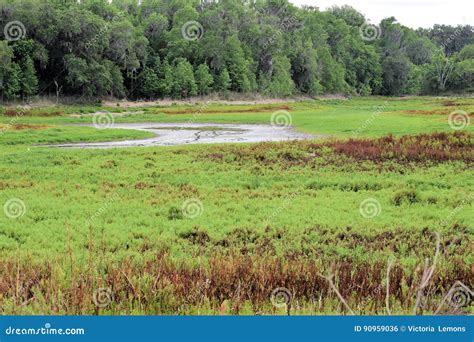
(180, 48)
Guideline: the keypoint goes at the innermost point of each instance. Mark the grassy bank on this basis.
(363, 117)
(217, 228)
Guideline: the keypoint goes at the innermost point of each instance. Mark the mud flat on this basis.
(171, 134)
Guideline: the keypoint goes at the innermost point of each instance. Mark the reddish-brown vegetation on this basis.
(427, 111)
(410, 149)
(13, 112)
(432, 111)
(19, 127)
(436, 147)
(255, 109)
(451, 103)
(173, 286)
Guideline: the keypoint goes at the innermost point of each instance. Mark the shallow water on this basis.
(171, 134)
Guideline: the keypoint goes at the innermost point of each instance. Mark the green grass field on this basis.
(333, 117)
(209, 229)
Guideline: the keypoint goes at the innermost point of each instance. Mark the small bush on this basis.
(196, 236)
(405, 197)
(175, 213)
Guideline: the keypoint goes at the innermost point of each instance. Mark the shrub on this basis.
(405, 196)
(175, 213)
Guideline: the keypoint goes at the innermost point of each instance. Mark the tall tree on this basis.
(184, 84)
(204, 79)
(223, 81)
(12, 86)
(98, 47)
(29, 81)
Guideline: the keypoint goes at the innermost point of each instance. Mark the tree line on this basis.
(180, 48)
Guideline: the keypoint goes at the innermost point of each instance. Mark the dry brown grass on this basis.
(20, 127)
(14, 112)
(418, 150)
(164, 285)
(452, 103)
(435, 147)
(255, 109)
(434, 111)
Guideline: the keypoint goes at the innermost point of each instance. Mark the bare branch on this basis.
(329, 279)
(427, 274)
(387, 294)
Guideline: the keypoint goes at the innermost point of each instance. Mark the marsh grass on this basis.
(273, 215)
(221, 284)
(362, 117)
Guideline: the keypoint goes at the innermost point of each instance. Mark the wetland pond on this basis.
(171, 134)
